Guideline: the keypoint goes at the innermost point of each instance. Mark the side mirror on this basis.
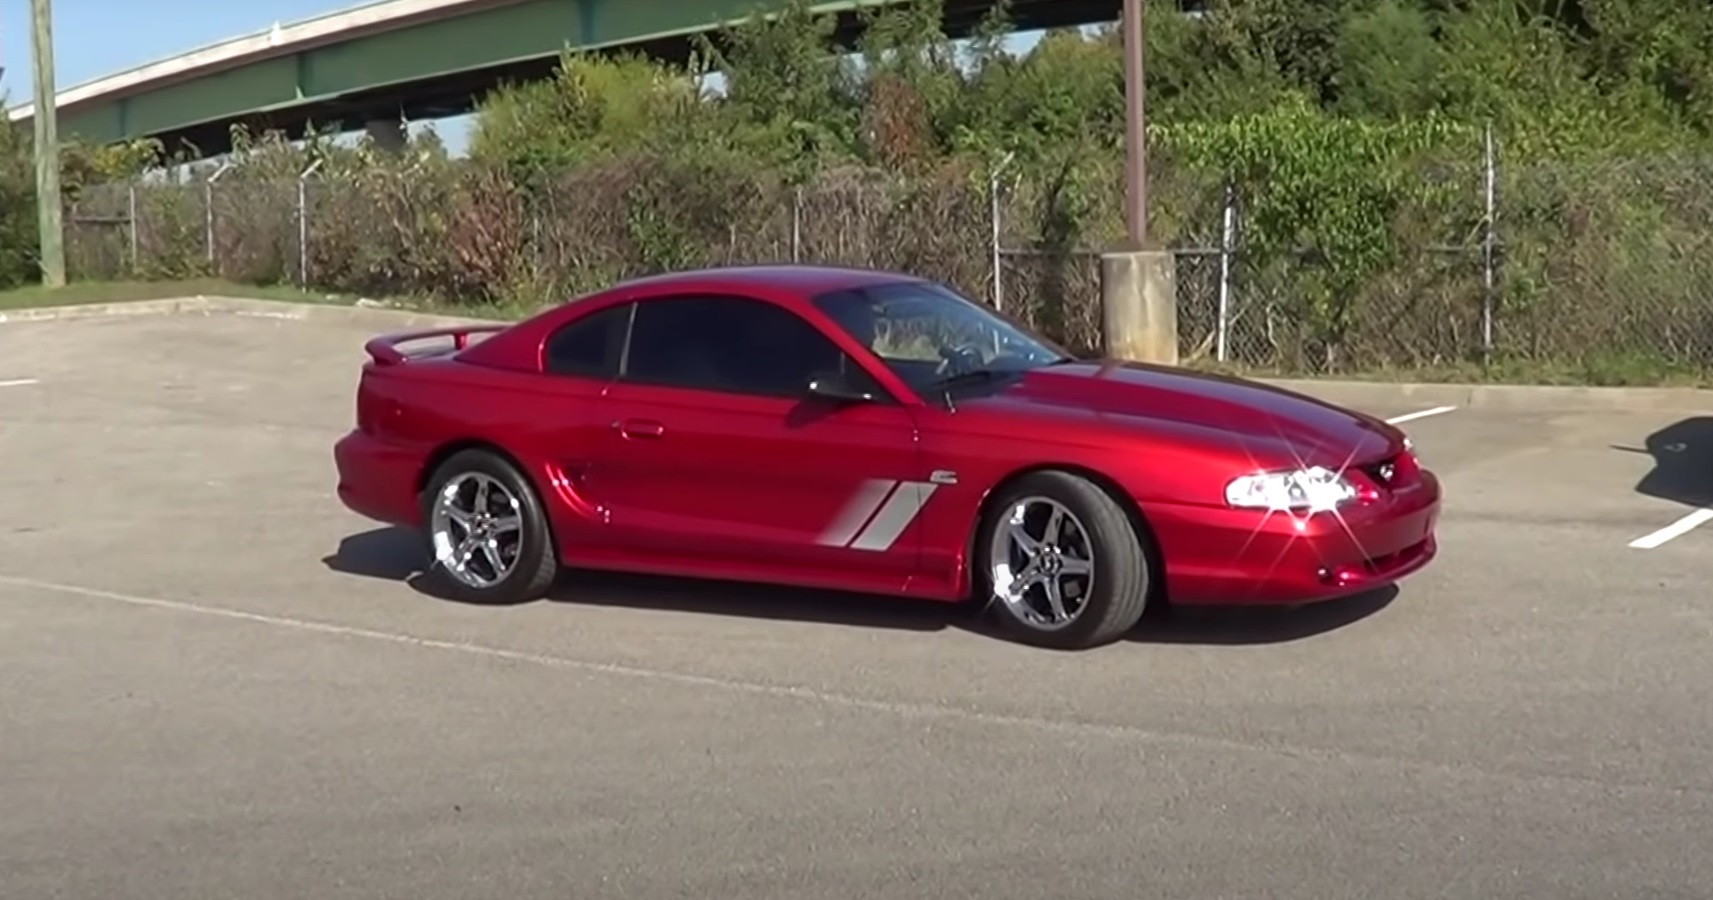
(836, 387)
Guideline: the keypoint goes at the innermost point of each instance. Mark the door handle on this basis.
(640, 429)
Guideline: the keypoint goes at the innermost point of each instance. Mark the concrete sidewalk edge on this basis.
(1502, 396)
(1355, 393)
(379, 317)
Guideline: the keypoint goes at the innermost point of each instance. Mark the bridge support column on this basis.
(388, 134)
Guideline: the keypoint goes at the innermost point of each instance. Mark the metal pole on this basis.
(1490, 164)
(797, 224)
(995, 211)
(131, 216)
(1227, 241)
(993, 239)
(208, 210)
(1135, 127)
(536, 254)
(49, 223)
(303, 224)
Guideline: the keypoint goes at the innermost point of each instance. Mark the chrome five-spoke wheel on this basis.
(477, 529)
(1066, 564)
(1042, 563)
(488, 534)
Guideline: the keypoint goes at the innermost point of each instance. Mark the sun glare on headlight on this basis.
(1315, 489)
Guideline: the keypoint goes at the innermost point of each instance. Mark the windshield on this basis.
(928, 334)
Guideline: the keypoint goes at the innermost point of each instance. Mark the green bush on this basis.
(1351, 140)
(18, 233)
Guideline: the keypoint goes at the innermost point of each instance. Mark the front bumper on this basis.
(1218, 555)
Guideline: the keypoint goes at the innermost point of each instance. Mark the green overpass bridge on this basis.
(371, 66)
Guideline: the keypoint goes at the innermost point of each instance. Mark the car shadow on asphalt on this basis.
(1683, 462)
(393, 554)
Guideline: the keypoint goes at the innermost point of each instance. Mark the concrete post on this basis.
(1139, 306)
(388, 134)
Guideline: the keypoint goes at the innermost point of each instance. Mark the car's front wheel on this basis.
(488, 537)
(1064, 566)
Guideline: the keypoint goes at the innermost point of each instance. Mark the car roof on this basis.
(519, 345)
(805, 280)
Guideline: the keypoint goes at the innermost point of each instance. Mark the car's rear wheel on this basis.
(1065, 567)
(488, 537)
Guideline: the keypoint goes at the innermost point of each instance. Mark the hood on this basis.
(1135, 396)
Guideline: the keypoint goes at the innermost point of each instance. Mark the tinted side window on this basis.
(730, 344)
(590, 346)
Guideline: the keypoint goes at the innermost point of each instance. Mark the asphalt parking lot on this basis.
(218, 683)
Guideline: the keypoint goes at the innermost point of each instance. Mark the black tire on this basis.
(536, 563)
(1119, 591)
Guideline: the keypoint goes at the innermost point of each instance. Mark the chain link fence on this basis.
(1608, 262)
(1563, 265)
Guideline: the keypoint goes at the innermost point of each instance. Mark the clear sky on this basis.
(93, 38)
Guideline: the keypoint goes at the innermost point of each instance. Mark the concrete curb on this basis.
(376, 317)
(1520, 397)
(173, 306)
(380, 318)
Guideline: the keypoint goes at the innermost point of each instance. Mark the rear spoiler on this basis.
(384, 350)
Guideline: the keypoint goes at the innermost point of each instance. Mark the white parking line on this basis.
(1678, 528)
(19, 382)
(1420, 414)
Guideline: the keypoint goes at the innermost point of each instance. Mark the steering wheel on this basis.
(958, 359)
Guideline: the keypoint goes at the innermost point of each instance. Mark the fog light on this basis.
(1343, 575)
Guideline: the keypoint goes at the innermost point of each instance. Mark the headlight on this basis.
(1315, 489)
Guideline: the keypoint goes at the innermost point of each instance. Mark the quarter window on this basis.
(590, 346)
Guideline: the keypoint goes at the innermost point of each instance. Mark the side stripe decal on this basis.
(900, 509)
(885, 507)
(858, 510)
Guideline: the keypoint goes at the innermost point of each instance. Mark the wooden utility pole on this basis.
(1139, 284)
(1135, 126)
(48, 202)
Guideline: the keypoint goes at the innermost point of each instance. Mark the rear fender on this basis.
(568, 513)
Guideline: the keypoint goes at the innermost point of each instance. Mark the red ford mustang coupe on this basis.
(873, 432)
